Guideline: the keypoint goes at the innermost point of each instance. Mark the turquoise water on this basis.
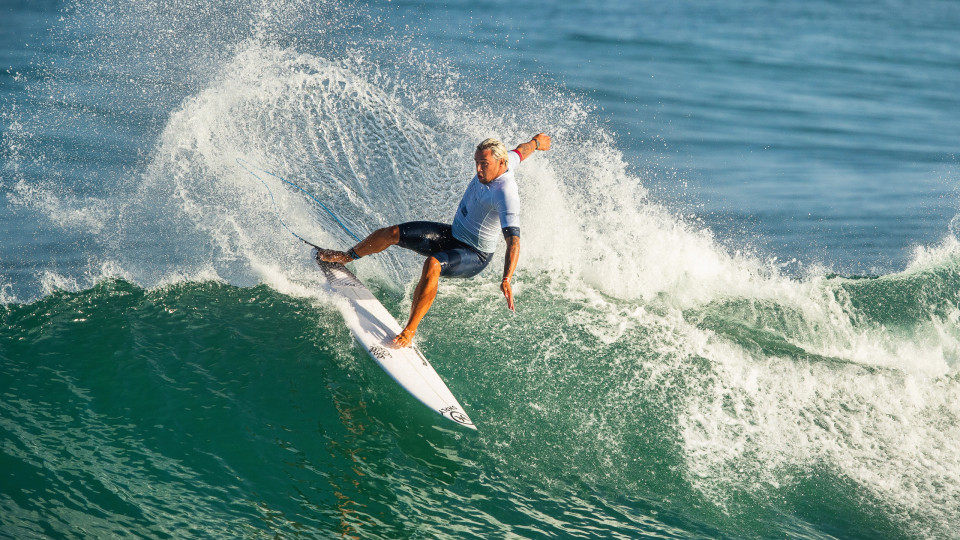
(738, 297)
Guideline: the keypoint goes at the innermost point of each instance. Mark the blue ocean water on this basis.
(738, 297)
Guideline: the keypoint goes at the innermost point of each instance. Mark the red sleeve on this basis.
(518, 153)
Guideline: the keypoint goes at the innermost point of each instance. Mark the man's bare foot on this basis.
(404, 339)
(333, 256)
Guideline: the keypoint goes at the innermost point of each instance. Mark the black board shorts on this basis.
(431, 239)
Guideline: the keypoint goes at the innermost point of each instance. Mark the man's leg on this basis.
(423, 298)
(378, 241)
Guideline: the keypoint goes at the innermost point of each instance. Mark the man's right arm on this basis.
(509, 265)
(540, 141)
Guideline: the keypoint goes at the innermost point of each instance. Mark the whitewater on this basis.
(172, 368)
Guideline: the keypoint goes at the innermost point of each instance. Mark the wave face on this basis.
(208, 409)
(170, 366)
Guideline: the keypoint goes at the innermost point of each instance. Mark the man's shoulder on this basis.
(504, 182)
(508, 191)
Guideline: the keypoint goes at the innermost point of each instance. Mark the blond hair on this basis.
(497, 149)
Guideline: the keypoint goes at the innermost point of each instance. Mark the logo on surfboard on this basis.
(456, 415)
(380, 353)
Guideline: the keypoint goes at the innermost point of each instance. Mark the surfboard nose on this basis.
(371, 323)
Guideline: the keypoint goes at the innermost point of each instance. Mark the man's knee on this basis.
(432, 268)
(392, 233)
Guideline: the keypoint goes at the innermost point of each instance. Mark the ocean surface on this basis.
(738, 299)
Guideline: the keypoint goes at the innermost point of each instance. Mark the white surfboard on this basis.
(373, 326)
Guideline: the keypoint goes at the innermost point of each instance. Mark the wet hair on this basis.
(497, 149)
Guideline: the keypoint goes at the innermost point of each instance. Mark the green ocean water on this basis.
(203, 409)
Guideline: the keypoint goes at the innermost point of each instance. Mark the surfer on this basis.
(466, 247)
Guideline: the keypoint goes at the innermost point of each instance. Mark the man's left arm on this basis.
(509, 265)
(540, 141)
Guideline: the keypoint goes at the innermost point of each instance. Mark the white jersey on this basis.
(486, 209)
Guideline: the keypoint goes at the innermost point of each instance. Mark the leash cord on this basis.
(243, 163)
